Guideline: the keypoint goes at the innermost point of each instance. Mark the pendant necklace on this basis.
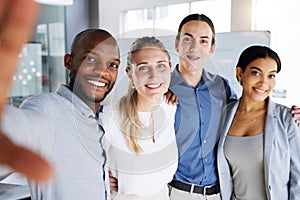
(151, 127)
(248, 123)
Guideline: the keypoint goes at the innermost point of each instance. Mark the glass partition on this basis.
(41, 65)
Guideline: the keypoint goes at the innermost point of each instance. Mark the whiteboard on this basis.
(229, 46)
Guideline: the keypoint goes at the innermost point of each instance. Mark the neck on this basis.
(93, 106)
(147, 105)
(247, 105)
(191, 75)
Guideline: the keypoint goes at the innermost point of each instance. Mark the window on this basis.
(164, 20)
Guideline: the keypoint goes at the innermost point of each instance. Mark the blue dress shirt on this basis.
(198, 120)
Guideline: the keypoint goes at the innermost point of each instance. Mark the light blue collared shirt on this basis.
(198, 121)
(62, 128)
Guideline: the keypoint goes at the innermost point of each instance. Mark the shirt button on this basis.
(204, 141)
(205, 159)
(269, 187)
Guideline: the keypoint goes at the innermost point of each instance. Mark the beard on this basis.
(81, 92)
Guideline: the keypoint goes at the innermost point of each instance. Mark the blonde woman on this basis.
(140, 131)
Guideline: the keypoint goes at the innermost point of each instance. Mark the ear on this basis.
(212, 49)
(68, 61)
(239, 74)
(176, 45)
(170, 63)
(129, 73)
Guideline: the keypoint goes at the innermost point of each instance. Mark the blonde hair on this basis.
(130, 124)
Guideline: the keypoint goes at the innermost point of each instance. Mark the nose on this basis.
(263, 80)
(152, 73)
(100, 68)
(194, 46)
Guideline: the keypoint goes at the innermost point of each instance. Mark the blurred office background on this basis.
(41, 60)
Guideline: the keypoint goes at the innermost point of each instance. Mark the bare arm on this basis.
(17, 18)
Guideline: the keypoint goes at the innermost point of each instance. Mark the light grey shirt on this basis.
(245, 157)
(63, 129)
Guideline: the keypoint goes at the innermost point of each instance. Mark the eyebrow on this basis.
(94, 53)
(160, 61)
(190, 35)
(253, 67)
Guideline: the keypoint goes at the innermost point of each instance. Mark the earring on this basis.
(133, 87)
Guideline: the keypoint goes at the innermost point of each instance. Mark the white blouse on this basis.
(148, 172)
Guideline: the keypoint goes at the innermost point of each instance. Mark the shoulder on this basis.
(40, 101)
(283, 116)
(169, 109)
(212, 78)
(279, 110)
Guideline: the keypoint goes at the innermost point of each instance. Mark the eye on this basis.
(113, 65)
(187, 39)
(90, 59)
(161, 66)
(204, 41)
(255, 73)
(272, 76)
(142, 68)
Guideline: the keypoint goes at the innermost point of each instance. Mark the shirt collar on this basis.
(77, 103)
(178, 79)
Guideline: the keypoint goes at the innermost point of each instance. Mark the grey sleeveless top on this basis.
(245, 157)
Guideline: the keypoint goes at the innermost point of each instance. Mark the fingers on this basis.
(295, 111)
(113, 182)
(297, 121)
(24, 161)
(171, 98)
(16, 20)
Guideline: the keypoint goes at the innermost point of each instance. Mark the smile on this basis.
(259, 91)
(193, 58)
(97, 83)
(153, 86)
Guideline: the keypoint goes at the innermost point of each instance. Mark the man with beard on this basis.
(64, 126)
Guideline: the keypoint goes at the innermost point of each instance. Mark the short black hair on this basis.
(85, 33)
(197, 17)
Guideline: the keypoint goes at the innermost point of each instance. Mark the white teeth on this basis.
(96, 83)
(261, 91)
(193, 57)
(153, 85)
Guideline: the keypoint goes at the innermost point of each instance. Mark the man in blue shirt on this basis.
(202, 97)
(200, 112)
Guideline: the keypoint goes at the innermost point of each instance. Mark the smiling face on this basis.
(258, 79)
(194, 45)
(94, 63)
(150, 73)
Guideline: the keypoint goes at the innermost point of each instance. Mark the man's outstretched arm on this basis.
(17, 18)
